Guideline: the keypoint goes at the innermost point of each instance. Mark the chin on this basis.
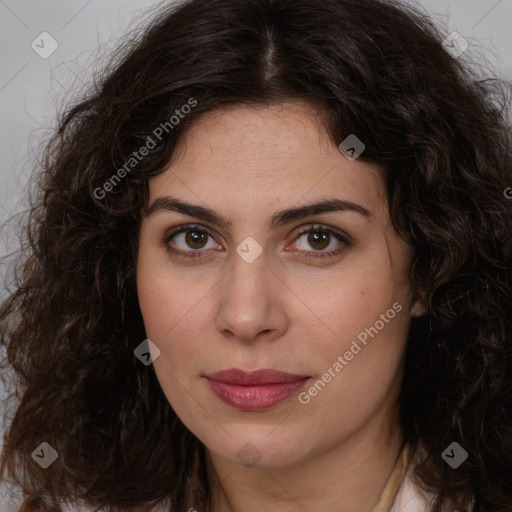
(258, 450)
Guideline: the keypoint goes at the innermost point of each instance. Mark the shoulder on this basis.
(410, 498)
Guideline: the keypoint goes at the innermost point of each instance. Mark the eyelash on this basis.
(193, 254)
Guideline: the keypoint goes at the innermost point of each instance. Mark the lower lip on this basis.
(254, 398)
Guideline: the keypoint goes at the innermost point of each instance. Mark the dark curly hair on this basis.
(374, 68)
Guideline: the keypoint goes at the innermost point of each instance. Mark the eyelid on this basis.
(171, 233)
(324, 227)
(186, 227)
(303, 229)
(341, 236)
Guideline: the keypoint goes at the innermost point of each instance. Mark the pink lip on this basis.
(254, 390)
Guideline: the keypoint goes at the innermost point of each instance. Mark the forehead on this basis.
(277, 154)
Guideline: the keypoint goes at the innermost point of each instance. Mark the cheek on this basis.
(354, 302)
(366, 319)
(158, 302)
(166, 311)
(162, 296)
(171, 309)
(155, 301)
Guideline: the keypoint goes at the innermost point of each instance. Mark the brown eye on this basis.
(188, 241)
(318, 239)
(196, 239)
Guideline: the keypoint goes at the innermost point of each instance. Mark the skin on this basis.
(282, 311)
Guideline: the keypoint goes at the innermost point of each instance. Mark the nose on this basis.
(252, 301)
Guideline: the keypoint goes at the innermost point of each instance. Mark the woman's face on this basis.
(330, 306)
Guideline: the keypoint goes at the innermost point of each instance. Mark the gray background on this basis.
(33, 89)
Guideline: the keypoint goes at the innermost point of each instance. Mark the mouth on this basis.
(255, 390)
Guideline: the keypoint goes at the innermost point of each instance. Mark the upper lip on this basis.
(252, 377)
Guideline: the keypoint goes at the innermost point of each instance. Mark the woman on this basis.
(269, 269)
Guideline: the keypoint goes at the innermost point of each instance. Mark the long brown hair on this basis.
(374, 68)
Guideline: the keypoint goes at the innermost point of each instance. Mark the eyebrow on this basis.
(281, 218)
